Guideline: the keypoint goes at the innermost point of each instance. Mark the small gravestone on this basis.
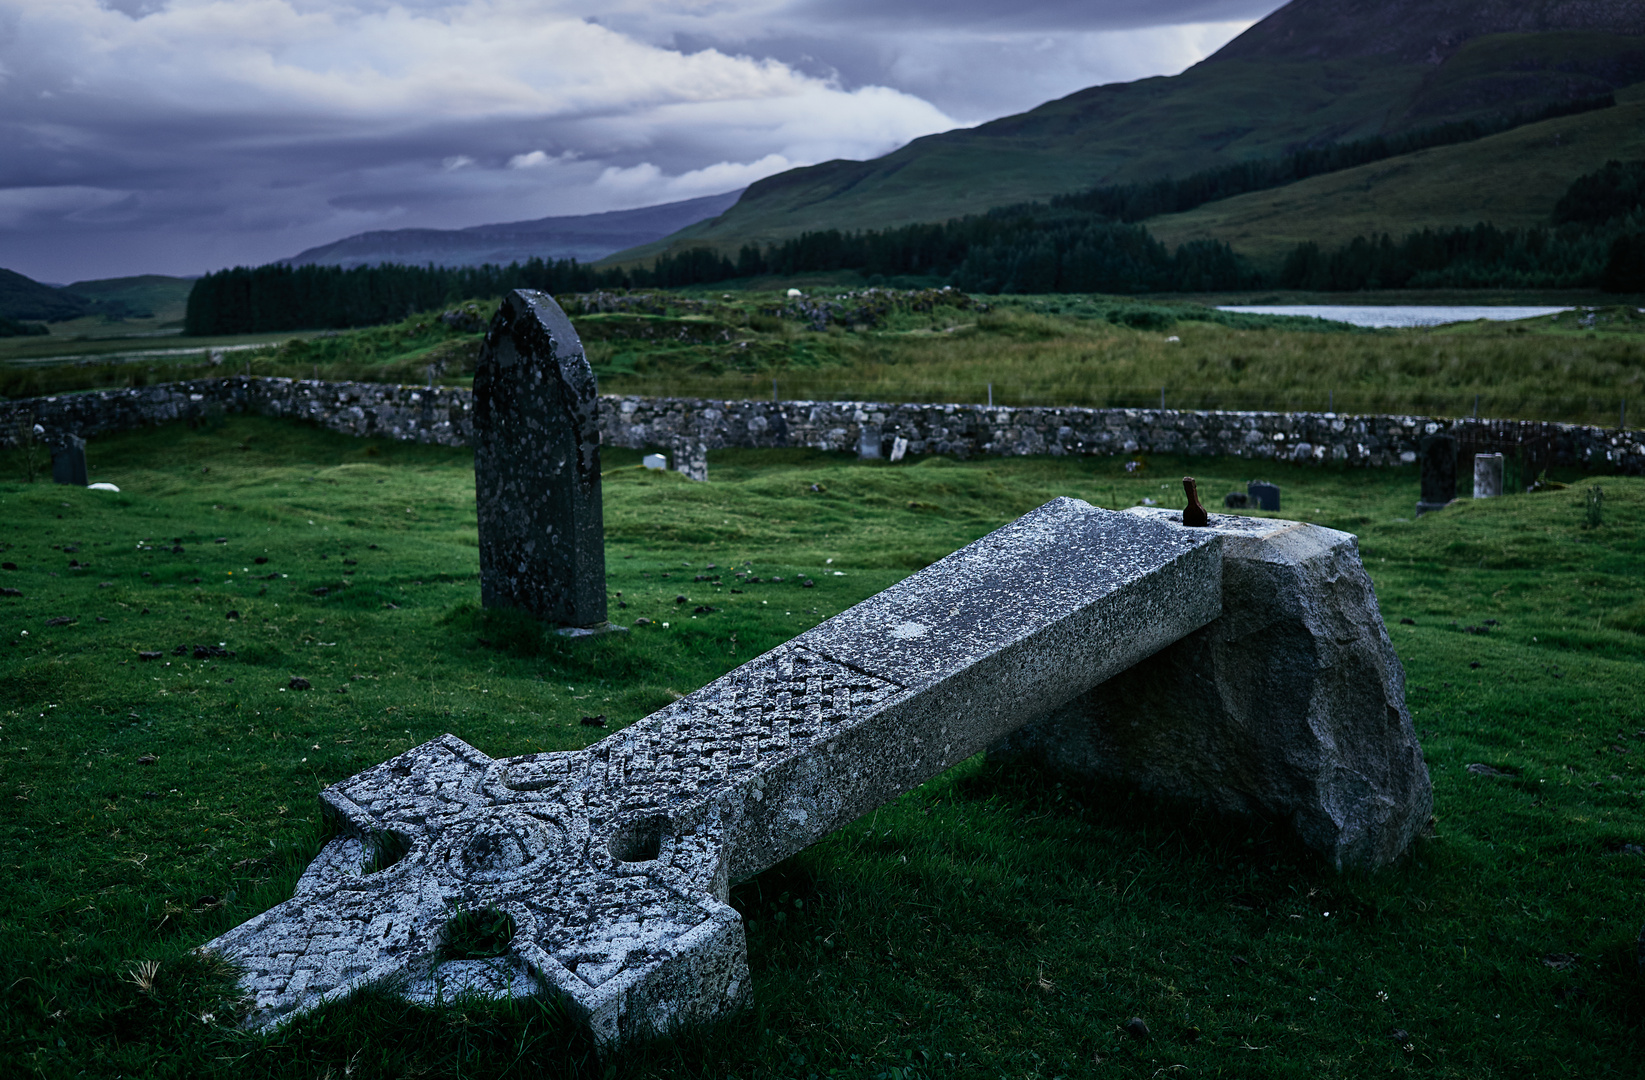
(1263, 495)
(690, 456)
(1236, 500)
(537, 466)
(68, 462)
(1487, 476)
(657, 462)
(868, 443)
(1439, 473)
(899, 447)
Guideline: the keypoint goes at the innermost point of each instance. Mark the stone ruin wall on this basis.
(443, 415)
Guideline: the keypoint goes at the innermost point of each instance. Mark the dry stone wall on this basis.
(445, 415)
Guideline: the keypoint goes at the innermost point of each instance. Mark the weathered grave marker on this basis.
(537, 466)
(1487, 476)
(1289, 707)
(1263, 495)
(690, 455)
(68, 462)
(614, 862)
(1439, 473)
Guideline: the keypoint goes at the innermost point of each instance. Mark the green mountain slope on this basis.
(24, 298)
(1512, 179)
(145, 296)
(1315, 71)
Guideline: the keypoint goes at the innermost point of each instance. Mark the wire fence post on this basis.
(1162, 399)
(990, 395)
(1622, 421)
(773, 389)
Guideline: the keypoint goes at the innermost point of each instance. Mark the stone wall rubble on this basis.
(444, 415)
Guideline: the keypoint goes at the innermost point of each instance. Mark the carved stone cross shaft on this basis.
(614, 862)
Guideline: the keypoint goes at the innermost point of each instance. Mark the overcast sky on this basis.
(180, 136)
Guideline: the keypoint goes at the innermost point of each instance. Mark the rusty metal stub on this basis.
(1193, 515)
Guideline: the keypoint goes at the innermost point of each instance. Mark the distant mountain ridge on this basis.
(584, 237)
(1313, 72)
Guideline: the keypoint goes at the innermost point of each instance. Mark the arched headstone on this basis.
(537, 466)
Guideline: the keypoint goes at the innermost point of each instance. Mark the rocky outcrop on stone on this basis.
(1289, 707)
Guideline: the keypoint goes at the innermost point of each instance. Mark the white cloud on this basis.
(178, 135)
(477, 58)
(645, 183)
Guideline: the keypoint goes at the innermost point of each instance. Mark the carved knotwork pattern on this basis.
(771, 708)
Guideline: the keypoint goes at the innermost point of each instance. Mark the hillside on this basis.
(585, 237)
(1315, 71)
(1512, 179)
(24, 298)
(148, 296)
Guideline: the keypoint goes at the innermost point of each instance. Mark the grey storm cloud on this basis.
(177, 136)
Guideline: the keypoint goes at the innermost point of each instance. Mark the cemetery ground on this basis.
(264, 609)
(927, 346)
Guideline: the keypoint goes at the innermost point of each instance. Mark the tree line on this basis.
(19, 328)
(1596, 238)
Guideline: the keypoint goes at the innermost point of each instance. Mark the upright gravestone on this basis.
(537, 466)
(1487, 476)
(1439, 473)
(68, 462)
(1263, 495)
(868, 442)
(690, 455)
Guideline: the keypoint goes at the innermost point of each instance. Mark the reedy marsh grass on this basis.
(989, 923)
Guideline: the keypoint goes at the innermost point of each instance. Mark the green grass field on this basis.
(1033, 350)
(1064, 350)
(991, 923)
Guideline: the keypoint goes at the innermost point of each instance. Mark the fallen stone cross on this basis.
(537, 467)
(613, 864)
